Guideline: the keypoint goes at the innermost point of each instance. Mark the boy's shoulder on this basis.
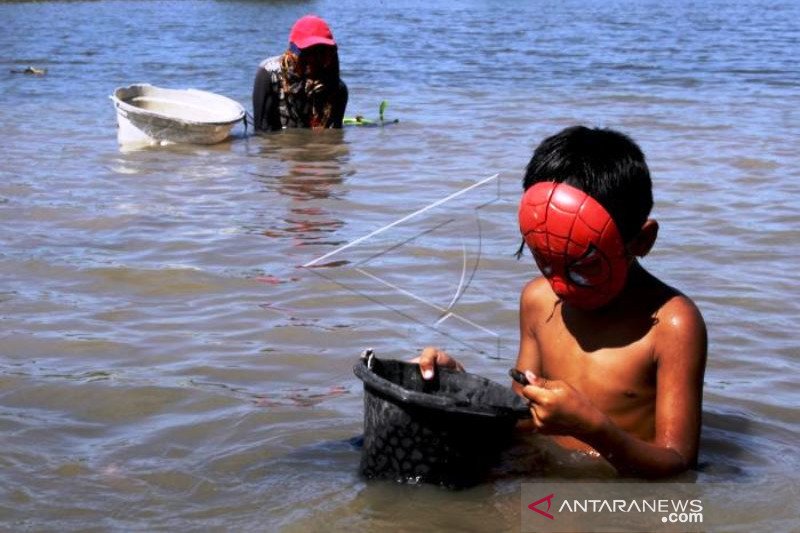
(537, 295)
(678, 329)
(674, 315)
(669, 307)
(678, 322)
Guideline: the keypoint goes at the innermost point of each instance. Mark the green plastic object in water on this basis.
(359, 120)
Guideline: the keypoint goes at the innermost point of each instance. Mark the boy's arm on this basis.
(528, 356)
(680, 345)
(530, 302)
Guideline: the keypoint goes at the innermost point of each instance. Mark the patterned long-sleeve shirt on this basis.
(274, 108)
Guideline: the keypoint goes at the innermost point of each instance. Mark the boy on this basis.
(614, 357)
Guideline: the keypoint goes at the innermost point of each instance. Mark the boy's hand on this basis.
(559, 409)
(432, 357)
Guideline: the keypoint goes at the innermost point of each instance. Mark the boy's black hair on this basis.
(605, 164)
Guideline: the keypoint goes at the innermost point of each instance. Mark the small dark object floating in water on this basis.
(30, 70)
(449, 430)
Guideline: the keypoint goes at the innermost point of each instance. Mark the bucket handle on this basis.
(396, 391)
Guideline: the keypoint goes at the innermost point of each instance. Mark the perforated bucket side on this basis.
(418, 431)
(410, 444)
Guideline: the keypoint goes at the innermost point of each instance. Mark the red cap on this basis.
(311, 30)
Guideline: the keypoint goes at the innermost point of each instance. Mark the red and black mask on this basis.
(575, 243)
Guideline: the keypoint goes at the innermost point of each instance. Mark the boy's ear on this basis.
(641, 245)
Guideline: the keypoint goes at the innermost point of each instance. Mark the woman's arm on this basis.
(265, 103)
(339, 106)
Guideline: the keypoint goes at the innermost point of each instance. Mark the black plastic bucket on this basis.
(448, 431)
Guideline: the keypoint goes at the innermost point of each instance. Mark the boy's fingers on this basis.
(432, 357)
(442, 359)
(427, 362)
(535, 393)
(536, 381)
(537, 390)
(537, 422)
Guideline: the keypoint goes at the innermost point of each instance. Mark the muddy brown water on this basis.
(166, 361)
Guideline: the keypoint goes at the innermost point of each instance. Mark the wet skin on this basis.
(624, 380)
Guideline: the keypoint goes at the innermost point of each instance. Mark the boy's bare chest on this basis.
(616, 372)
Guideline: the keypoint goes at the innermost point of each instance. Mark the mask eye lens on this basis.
(577, 278)
(586, 270)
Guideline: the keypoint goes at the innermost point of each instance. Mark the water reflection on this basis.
(165, 359)
(308, 168)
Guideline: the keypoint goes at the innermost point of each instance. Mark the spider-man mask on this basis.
(575, 243)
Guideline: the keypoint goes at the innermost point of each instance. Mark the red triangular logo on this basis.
(548, 499)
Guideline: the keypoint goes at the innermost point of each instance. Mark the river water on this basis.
(167, 361)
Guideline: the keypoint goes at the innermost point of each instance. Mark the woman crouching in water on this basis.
(301, 88)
